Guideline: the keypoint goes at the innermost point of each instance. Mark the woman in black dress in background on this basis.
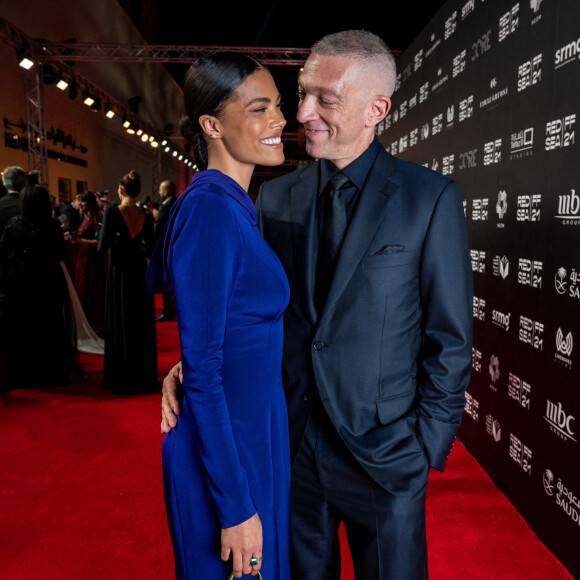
(130, 333)
(37, 325)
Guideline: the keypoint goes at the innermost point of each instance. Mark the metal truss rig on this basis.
(59, 51)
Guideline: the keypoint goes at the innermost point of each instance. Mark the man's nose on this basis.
(306, 110)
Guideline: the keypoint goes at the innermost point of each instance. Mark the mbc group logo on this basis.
(560, 422)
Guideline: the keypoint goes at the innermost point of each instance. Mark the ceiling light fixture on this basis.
(24, 59)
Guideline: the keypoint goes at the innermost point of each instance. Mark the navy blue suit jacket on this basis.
(390, 355)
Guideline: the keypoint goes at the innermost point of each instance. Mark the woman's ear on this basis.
(210, 126)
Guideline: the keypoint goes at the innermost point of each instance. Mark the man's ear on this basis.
(210, 126)
(379, 108)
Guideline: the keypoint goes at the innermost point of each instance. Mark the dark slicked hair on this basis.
(210, 83)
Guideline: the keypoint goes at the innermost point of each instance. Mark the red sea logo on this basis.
(494, 367)
(504, 267)
(535, 5)
(501, 205)
(548, 481)
(496, 431)
(450, 113)
(564, 345)
(560, 281)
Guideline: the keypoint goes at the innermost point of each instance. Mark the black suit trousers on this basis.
(386, 533)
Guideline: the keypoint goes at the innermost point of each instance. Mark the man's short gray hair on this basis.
(14, 178)
(359, 45)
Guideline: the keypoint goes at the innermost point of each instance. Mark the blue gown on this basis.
(228, 457)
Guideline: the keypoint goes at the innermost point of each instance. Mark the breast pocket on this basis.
(387, 260)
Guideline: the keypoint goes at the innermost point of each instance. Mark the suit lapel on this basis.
(303, 197)
(370, 211)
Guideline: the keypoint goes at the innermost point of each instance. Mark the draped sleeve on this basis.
(205, 256)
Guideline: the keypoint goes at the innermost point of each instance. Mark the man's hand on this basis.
(172, 397)
(243, 542)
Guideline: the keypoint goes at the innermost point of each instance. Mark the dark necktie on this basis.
(333, 229)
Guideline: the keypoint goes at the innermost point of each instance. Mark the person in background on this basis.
(226, 470)
(38, 327)
(168, 195)
(89, 267)
(33, 178)
(14, 180)
(71, 215)
(378, 332)
(130, 334)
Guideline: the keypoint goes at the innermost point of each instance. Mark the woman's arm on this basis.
(106, 232)
(207, 253)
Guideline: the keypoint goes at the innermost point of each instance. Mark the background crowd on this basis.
(64, 273)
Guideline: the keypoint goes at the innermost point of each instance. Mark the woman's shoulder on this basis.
(207, 198)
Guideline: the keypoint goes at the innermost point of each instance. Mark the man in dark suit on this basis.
(378, 331)
(168, 195)
(14, 180)
(71, 215)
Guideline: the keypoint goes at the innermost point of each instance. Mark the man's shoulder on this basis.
(9, 199)
(421, 175)
(283, 183)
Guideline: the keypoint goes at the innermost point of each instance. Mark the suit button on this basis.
(318, 345)
(307, 397)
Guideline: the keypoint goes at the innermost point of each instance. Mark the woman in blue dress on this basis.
(226, 467)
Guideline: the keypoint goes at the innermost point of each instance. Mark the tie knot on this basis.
(337, 181)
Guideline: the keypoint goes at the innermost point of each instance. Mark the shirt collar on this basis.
(357, 171)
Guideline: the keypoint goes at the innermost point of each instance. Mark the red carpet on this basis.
(81, 494)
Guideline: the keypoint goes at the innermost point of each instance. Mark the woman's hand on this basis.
(243, 542)
(172, 397)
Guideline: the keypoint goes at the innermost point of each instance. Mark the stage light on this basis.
(180, 157)
(126, 124)
(89, 101)
(144, 137)
(175, 154)
(139, 132)
(49, 74)
(164, 142)
(167, 149)
(109, 113)
(24, 59)
(151, 138)
(154, 144)
(62, 84)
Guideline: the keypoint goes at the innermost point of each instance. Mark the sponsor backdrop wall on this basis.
(489, 95)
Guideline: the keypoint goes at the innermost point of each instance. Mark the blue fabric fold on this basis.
(158, 278)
